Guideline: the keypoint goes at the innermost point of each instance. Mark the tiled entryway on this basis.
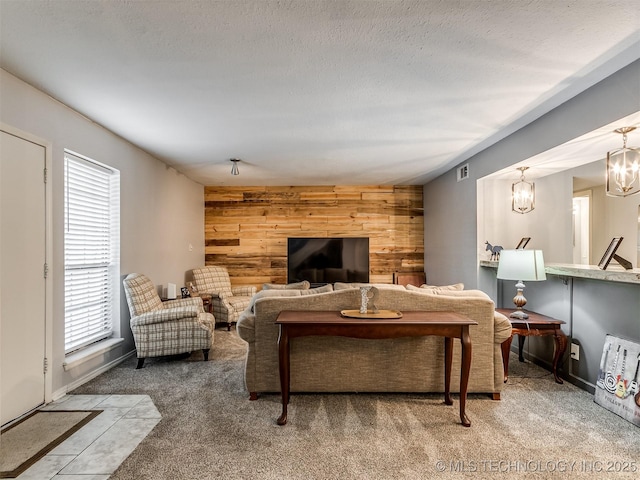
(96, 450)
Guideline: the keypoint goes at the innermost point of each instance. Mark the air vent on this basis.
(463, 172)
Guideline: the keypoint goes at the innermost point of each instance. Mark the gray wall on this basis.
(451, 220)
(591, 310)
(161, 210)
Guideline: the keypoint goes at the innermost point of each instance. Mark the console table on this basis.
(536, 325)
(449, 325)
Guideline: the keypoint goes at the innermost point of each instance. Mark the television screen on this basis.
(328, 260)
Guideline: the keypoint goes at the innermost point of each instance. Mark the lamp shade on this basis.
(521, 265)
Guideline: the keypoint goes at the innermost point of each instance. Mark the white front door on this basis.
(22, 282)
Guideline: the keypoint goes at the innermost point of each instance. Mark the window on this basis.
(91, 250)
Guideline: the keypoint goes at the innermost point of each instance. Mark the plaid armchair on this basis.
(227, 302)
(165, 328)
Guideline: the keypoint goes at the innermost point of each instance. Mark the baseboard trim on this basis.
(562, 373)
(58, 394)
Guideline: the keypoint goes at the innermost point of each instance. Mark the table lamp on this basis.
(521, 265)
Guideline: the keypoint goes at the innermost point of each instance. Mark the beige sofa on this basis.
(339, 364)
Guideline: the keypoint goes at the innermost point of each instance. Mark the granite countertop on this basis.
(613, 273)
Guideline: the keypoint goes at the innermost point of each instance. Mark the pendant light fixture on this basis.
(623, 167)
(234, 168)
(523, 194)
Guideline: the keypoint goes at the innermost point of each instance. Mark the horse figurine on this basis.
(495, 251)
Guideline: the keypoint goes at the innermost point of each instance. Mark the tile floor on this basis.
(96, 450)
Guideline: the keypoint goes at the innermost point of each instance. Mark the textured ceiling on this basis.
(315, 92)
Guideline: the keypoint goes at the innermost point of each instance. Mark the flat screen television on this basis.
(328, 260)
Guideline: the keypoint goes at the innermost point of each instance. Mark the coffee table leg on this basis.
(561, 345)
(448, 359)
(283, 359)
(465, 342)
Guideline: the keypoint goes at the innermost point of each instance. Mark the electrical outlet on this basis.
(575, 351)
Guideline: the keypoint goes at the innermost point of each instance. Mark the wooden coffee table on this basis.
(449, 325)
(536, 325)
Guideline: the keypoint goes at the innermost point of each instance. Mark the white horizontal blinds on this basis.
(89, 247)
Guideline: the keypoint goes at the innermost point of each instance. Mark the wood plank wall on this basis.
(246, 228)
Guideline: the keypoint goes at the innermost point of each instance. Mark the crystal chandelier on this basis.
(623, 167)
(523, 194)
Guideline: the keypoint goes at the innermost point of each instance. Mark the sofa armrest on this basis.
(184, 302)
(215, 295)
(246, 326)
(166, 315)
(502, 327)
(244, 290)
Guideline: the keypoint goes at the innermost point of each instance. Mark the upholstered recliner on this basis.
(166, 328)
(227, 302)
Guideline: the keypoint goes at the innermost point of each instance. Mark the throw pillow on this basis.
(312, 291)
(303, 285)
(273, 293)
(455, 286)
(355, 286)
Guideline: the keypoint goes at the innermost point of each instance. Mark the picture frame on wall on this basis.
(523, 243)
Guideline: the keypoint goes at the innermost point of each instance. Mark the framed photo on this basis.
(185, 292)
(610, 252)
(523, 243)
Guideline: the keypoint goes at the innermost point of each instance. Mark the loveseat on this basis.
(340, 364)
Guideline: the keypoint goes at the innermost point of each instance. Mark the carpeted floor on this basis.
(210, 430)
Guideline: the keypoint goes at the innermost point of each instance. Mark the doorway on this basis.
(582, 228)
(23, 264)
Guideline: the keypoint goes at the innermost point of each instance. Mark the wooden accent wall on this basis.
(246, 228)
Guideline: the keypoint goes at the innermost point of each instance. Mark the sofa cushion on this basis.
(448, 293)
(303, 285)
(355, 285)
(312, 291)
(453, 287)
(272, 293)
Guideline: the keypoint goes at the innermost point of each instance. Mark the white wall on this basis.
(549, 225)
(620, 220)
(162, 211)
(610, 216)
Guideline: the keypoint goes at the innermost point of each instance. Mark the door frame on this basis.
(588, 194)
(48, 255)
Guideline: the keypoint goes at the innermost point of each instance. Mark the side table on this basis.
(206, 302)
(536, 325)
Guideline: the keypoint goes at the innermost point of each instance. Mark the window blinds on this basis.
(90, 248)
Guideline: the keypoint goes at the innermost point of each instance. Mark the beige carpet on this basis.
(25, 442)
(210, 430)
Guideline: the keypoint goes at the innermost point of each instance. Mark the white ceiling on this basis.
(316, 92)
(589, 148)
